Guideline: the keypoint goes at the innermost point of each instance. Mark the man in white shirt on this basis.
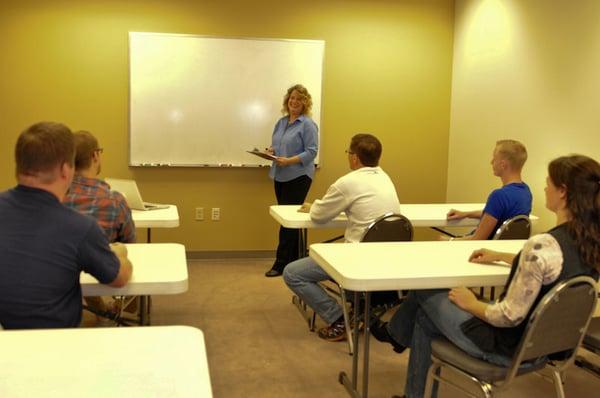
(364, 194)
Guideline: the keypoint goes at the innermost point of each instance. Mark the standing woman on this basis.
(295, 144)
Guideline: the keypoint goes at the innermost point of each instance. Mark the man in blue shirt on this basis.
(44, 245)
(512, 199)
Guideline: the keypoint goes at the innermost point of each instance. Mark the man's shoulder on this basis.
(5, 194)
(118, 198)
(73, 217)
(511, 190)
(365, 173)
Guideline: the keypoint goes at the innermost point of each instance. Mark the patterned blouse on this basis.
(540, 264)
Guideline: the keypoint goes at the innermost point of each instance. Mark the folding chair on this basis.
(553, 333)
(591, 342)
(390, 227)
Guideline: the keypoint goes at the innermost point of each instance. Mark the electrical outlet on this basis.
(199, 213)
(216, 214)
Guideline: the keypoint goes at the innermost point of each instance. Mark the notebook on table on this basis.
(129, 189)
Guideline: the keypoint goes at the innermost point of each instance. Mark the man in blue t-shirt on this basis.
(44, 245)
(513, 199)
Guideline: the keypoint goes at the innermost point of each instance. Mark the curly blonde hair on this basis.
(306, 99)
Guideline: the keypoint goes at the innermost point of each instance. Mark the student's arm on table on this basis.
(329, 207)
(487, 256)
(454, 214)
(464, 297)
(125, 267)
(484, 229)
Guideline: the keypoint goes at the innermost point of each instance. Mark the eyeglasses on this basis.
(349, 152)
(99, 150)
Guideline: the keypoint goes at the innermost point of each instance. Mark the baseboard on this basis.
(202, 255)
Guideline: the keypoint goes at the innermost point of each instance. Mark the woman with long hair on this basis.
(492, 331)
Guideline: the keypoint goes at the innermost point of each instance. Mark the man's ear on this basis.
(66, 170)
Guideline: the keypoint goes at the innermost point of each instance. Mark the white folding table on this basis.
(158, 268)
(420, 215)
(157, 361)
(368, 267)
(156, 218)
(432, 215)
(159, 218)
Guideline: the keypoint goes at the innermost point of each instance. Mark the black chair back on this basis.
(390, 227)
(518, 227)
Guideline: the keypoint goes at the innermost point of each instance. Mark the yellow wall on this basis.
(526, 70)
(387, 70)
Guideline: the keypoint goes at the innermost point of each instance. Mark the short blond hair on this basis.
(513, 152)
(306, 99)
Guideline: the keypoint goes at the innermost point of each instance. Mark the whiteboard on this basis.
(205, 101)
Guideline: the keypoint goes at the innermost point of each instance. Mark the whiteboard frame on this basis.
(210, 165)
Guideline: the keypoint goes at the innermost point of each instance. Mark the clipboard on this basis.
(261, 154)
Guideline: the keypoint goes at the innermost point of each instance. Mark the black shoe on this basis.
(273, 272)
(380, 332)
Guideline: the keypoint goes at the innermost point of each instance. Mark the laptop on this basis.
(129, 189)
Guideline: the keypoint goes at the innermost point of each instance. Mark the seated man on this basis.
(44, 245)
(365, 194)
(92, 196)
(513, 199)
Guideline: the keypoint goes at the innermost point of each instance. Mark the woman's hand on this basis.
(484, 256)
(463, 298)
(282, 161)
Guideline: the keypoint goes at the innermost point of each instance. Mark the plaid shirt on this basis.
(93, 197)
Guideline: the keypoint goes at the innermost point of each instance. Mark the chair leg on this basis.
(487, 389)
(558, 384)
(347, 321)
(434, 370)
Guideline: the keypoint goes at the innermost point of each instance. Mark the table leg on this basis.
(351, 386)
(149, 307)
(142, 310)
(366, 347)
(145, 301)
(305, 239)
(302, 243)
(355, 341)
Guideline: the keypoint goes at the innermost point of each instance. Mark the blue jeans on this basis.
(422, 317)
(302, 276)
